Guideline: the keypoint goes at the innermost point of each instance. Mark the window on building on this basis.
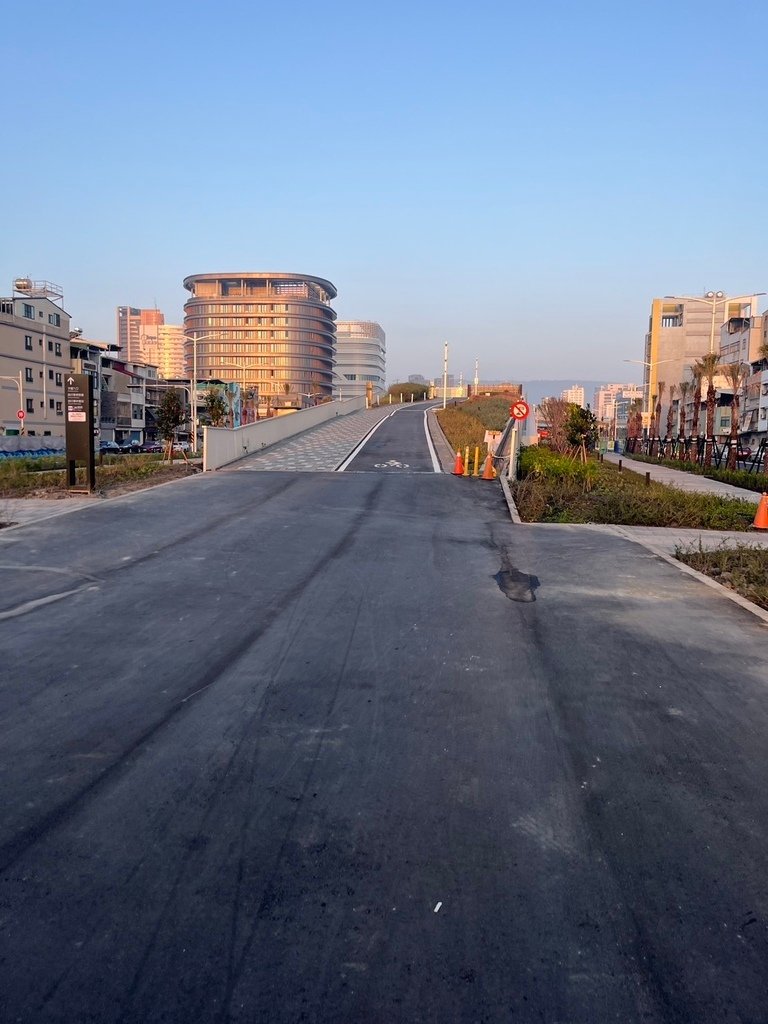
(55, 319)
(28, 311)
(28, 342)
(59, 409)
(50, 375)
(30, 405)
(50, 346)
(51, 403)
(28, 375)
(58, 379)
(58, 348)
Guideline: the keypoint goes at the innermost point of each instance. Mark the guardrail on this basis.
(223, 446)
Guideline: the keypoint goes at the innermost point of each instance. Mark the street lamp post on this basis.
(445, 373)
(194, 338)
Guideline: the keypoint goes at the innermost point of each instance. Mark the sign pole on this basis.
(78, 395)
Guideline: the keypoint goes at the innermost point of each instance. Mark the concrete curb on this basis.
(445, 453)
(514, 514)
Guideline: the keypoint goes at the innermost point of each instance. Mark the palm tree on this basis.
(696, 414)
(652, 425)
(709, 365)
(736, 373)
(671, 410)
(684, 387)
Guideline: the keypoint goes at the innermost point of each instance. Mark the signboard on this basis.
(20, 414)
(519, 409)
(492, 439)
(78, 402)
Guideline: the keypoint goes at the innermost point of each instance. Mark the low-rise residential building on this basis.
(34, 357)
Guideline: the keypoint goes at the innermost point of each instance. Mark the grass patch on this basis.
(20, 477)
(556, 489)
(465, 425)
(742, 568)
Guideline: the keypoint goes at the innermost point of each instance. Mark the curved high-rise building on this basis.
(269, 331)
(360, 359)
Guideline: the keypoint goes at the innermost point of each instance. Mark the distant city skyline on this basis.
(519, 183)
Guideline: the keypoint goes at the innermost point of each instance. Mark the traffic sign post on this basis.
(519, 410)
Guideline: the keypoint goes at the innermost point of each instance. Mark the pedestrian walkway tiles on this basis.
(321, 449)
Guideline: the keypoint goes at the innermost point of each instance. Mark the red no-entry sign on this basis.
(20, 414)
(519, 410)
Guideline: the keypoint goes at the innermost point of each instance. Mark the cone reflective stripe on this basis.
(761, 516)
(458, 466)
(488, 473)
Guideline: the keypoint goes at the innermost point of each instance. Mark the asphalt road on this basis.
(354, 748)
(399, 444)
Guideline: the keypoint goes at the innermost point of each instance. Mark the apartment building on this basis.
(361, 358)
(574, 394)
(137, 335)
(34, 357)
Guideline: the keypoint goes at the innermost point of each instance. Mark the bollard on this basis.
(620, 466)
(477, 461)
(466, 461)
(647, 479)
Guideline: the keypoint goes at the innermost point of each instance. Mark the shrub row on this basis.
(556, 489)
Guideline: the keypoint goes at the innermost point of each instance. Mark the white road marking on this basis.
(30, 606)
(437, 906)
(432, 452)
(356, 451)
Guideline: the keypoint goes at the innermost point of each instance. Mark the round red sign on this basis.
(519, 409)
(20, 414)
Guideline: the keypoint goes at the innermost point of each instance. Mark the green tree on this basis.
(216, 406)
(581, 427)
(170, 416)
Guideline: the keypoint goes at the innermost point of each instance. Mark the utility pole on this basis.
(445, 373)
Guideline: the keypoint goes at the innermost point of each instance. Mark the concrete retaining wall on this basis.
(222, 446)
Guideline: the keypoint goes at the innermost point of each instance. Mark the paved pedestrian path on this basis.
(679, 478)
(318, 450)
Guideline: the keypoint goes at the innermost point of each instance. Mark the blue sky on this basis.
(516, 180)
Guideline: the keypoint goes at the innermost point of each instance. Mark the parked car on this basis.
(181, 446)
(744, 452)
(151, 446)
(109, 448)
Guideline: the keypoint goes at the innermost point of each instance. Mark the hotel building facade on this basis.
(273, 333)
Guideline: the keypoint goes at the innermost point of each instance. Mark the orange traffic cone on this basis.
(761, 516)
(458, 466)
(488, 471)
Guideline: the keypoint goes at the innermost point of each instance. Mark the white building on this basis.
(574, 394)
(361, 357)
